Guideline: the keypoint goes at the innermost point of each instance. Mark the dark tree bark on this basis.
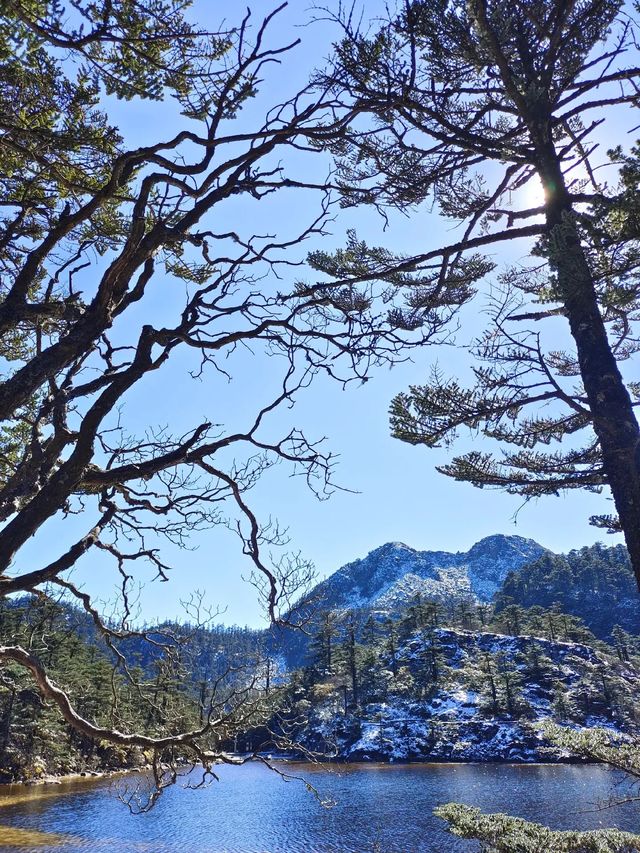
(614, 420)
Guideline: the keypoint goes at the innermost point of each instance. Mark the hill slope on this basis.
(455, 695)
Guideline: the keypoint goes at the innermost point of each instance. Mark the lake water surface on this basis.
(377, 808)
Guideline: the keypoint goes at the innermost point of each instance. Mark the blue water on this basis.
(377, 808)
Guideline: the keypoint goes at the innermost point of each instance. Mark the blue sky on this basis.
(396, 494)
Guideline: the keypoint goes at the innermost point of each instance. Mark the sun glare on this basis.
(533, 193)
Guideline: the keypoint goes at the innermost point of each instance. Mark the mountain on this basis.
(392, 575)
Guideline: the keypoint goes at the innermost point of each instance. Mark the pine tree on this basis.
(510, 619)
(431, 665)
(622, 642)
(391, 645)
(471, 102)
(510, 681)
(322, 647)
(595, 584)
(348, 661)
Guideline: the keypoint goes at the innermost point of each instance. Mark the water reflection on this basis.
(19, 839)
(377, 808)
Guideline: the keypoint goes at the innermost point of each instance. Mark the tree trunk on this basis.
(7, 720)
(614, 420)
(353, 667)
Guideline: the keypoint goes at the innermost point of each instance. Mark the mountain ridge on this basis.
(377, 579)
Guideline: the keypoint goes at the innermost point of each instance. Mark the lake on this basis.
(377, 807)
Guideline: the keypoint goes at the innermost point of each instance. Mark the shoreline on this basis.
(364, 760)
(85, 776)
(79, 776)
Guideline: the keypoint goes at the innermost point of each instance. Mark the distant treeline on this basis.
(594, 583)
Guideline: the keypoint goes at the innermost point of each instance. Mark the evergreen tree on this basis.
(430, 669)
(622, 642)
(471, 102)
(347, 661)
(501, 833)
(370, 677)
(511, 619)
(510, 681)
(391, 645)
(322, 647)
(489, 682)
(537, 665)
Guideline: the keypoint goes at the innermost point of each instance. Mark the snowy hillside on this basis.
(480, 705)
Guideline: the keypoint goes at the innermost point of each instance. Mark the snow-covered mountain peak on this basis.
(499, 545)
(394, 573)
(394, 550)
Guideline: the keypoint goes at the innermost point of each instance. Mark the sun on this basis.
(533, 193)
